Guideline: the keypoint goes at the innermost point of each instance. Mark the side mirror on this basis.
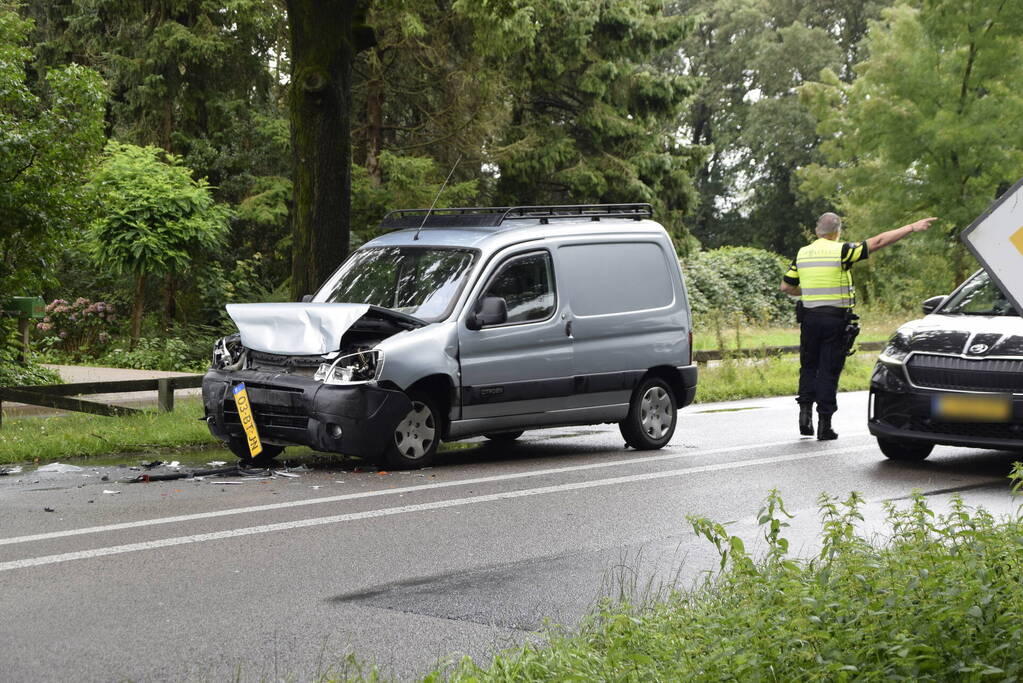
(490, 310)
(933, 303)
(306, 298)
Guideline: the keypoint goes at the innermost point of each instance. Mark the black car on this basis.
(954, 377)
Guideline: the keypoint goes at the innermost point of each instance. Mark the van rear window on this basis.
(616, 277)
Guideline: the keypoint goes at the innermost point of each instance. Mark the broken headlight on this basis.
(228, 353)
(353, 368)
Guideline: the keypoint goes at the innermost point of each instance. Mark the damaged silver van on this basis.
(465, 322)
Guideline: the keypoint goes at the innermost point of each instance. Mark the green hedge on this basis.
(741, 282)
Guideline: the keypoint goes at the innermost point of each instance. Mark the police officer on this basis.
(821, 276)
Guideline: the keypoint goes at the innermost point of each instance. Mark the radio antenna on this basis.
(430, 210)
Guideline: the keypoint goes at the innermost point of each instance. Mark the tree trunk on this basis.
(136, 310)
(325, 35)
(170, 308)
(374, 117)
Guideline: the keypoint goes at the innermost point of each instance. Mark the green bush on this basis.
(741, 282)
(171, 353)
(939, 600)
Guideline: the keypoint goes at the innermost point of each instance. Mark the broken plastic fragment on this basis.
(289, 475)
(59, 468)
(216, 463)
(108, 491)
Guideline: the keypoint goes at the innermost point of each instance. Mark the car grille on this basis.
(287, 417)
(962, 374)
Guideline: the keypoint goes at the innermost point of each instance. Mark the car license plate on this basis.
(241, 399)
(961, 408)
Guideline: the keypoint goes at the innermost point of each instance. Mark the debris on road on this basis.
(288, 475)
(216, 463)
(59, 468)
(48, 510)
(109, 491)
(15, 469)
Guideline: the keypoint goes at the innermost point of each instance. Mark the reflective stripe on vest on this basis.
(822, 279)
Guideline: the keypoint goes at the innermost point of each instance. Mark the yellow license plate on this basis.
(959, 408)
(241, 399)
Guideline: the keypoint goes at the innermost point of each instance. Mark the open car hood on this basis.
(307, 329)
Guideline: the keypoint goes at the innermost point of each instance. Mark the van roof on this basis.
(496, 227)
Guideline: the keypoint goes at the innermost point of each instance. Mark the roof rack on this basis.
(493, 216)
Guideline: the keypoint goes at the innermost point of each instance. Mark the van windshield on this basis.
(420, 281)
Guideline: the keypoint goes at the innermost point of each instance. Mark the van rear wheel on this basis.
(653, 415)
(417, 436)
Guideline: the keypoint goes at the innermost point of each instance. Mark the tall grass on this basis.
(772, 376)
(939, 597)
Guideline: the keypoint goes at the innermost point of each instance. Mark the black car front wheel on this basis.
(904, 450)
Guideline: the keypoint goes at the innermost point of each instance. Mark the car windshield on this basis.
(979, 296)
(419, 281)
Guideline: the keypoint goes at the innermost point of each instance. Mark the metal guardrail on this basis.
(59, 395)
(717, 354)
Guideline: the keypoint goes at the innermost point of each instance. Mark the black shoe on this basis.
(824, 430)
(806, 419)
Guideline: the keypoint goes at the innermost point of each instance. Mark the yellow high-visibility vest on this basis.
(824, 276)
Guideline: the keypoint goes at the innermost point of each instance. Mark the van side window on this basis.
(527, 286)
(616, 277)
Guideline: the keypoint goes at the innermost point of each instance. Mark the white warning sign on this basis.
(996, 239)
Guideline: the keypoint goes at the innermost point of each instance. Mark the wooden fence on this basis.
(60, 395)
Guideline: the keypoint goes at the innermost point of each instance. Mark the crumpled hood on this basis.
(294, 329)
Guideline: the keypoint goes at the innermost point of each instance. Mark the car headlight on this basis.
(354, 368)
(896, 351)
(228, 353)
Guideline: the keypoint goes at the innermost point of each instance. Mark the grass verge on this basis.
(773, 376)
(874, 325)
(938, 598)
(28, 439)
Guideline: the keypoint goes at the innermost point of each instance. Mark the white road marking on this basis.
(404, 509)
(388, 492)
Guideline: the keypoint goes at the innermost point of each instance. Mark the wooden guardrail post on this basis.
(165, 394)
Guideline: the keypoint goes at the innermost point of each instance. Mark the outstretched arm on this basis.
(892, 236)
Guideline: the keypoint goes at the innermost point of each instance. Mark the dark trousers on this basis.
(821, 359)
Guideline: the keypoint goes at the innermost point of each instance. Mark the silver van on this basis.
(464, 322)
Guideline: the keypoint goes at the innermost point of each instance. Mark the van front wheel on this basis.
(415, 439)
(652, 416)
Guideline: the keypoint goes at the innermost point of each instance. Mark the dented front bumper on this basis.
(289, 410)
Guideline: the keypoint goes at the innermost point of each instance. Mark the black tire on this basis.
(652, 403)
(505, 437)
(416, 438)
(904, 450)
(240, 447)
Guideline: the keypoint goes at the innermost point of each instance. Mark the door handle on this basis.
(568, 329)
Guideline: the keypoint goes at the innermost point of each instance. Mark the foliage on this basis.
(751, 56)
(77, 327)
(932, 125)
(50, 130)
(736, 281)
(167, 353)
(595, 109)
(405, 182)
(152, 218)
(938, 599)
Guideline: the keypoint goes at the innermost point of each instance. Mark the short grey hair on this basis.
(828, 224)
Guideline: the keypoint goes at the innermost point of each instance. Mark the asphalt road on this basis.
(269, 579)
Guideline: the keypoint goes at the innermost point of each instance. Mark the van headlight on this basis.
(228, 353)
(354, 368)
